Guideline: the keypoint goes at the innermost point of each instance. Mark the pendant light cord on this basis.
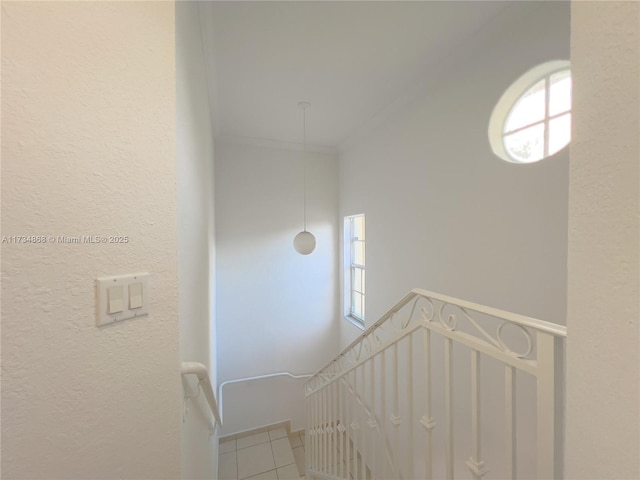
(304, 158)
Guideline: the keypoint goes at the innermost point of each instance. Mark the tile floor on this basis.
(268, 455)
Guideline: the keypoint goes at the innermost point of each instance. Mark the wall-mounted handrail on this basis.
(257, 377)
(200, 371)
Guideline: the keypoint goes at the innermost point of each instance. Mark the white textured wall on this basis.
(603, 401)
(88, 147)
(196, 249)
(443, 212)
(276, 309)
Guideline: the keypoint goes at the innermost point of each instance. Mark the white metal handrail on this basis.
(257, 377)
(369, 367)
(201, 372)
(524, 321)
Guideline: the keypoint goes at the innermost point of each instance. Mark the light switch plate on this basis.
(140, 282)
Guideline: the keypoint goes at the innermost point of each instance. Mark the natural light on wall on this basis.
(532, 120)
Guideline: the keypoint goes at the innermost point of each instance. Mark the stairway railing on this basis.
(412, 389)
(391, 462)
(204, 382)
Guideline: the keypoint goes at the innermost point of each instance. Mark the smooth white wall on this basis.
(443, 212)
(276, 309)
(196, 249)
(88, 148)
(603, 386)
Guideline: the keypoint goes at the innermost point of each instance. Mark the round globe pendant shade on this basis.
(304, 243)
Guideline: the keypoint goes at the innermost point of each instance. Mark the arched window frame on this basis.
(511, 98)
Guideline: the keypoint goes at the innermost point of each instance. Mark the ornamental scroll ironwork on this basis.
(421, 310)
(450, 322)
(381, 334)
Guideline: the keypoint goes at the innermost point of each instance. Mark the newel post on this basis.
(550, 406)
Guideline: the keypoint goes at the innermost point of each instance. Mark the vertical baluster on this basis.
(318, 462)
(347, 424)
(323, 429)
(335, 427)
(356, 426)
(363, 455)
(318, 433)
(372, 418)
(550, 406)
(395, 419)
(325, 424)
(427, 420)
(308, 432)
(327, 392)
(510, 419)
(311, 435)
(410, 396)
(330, 428)
(337, 424)
(316, 422)
(383, 415)
(475, 463)
(343, 423)
(307, 425)
(448, 400)
(395, 416)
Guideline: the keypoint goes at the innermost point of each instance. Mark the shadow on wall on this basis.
(257, 403)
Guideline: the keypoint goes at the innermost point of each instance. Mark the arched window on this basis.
(532, 120)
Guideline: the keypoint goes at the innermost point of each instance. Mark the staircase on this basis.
(441, 388)
(271, 453)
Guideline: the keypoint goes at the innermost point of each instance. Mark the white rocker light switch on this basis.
(115, 300)
(135, 295)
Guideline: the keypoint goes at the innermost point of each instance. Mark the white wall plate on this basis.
(122, 297)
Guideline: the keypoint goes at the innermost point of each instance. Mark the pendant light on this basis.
(305, 242)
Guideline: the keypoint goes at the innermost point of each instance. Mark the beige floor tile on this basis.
(254, 460)
(298, 455)
(251, 440)
(282, 452)
(277, 433)
(227, 466)
(295, 440)
(290, 472)
(271, 475)
(226, 447)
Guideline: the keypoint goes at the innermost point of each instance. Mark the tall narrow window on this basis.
(356, 265)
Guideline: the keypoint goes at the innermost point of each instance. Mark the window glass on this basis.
(532, 120)
(560, 93)
(526, 145)
(355, 274)
(529, 109)
(559, 133)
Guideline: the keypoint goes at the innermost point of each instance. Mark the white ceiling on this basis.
(350, 60)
